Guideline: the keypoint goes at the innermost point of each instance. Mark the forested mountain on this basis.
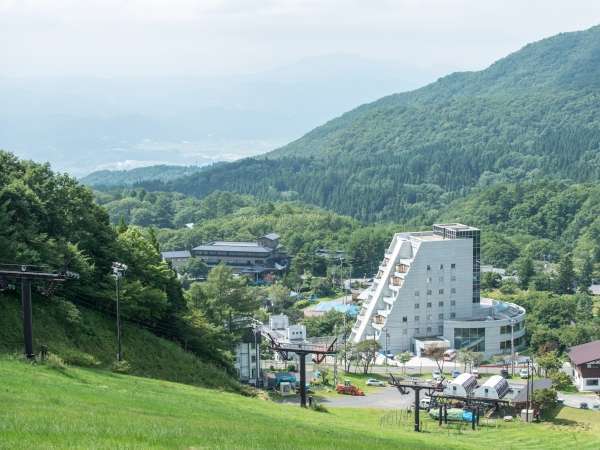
(534, 113)
(108, 178)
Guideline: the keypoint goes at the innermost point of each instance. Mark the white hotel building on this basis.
(427, 289)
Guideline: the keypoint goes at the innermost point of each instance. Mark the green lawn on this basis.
(43, 407)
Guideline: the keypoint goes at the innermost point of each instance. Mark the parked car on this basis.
(583, 405)
(450, 355)
(455, 373)
(436, 374)
(504, 373)
(390, 355)
(475, 373)
(524, 372)
(374, 382)
(425, 403)
(596, 406)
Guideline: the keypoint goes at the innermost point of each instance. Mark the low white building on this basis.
(428, 286)
(585, 362)
(461, 386)
(494, 388)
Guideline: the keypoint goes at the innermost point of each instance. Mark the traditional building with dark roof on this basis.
(585, 363)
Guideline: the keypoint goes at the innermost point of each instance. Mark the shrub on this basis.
(55, 362)
(69, 311)
(75, 358)
(318, 407)
(560, 381)
(121, 367)
(291, 368)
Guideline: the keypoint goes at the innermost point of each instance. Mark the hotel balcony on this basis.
(389, 300)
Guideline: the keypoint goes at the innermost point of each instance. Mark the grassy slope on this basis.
(88, 408)
(92, 340)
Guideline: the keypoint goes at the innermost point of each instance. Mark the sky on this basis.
(120, 38)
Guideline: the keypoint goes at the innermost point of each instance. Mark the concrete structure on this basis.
(428, 286)
(247, 358)
(585, 362)
(279, 322)
(461, 386)
(177, 258)
(264, 256)
(494, 388)
(296, 333)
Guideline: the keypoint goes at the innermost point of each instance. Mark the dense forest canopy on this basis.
(530, 114)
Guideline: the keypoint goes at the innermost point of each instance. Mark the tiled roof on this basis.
(176, 254)
(584, 353)
(232, 247)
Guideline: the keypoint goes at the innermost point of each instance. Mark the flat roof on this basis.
(456, 226)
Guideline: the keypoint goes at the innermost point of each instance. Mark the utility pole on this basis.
(512, 345)
(118, 270)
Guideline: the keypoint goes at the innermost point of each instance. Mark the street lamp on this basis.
(118, 269)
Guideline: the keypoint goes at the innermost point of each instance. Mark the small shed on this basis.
(495, 388)
(461, 386)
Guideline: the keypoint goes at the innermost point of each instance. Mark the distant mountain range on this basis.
(82, 125)
(532, 114)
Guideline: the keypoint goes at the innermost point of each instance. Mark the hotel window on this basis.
(428, 267)
(453, 278)
(429, 304)
(405, 319)
(453, 266)
(452, 302)
(417, 318)
(440, 304)
(417, 331)
(593, 365)
(441, 316)
(592, 382)
(441, 267)
(441, 329)
(429, 279)
(441, 291)
(428, 291)
(453, 291)
(452, 315)
(429, 329)
(417, 306)
(428, 317)
(417, 293)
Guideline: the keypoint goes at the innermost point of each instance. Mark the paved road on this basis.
(575, 399)
(385, 398)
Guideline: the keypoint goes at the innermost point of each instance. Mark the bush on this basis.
(318, 407)
(76, 358)
(561, 381)
(55, 362)
(291, 368)
(121, 367)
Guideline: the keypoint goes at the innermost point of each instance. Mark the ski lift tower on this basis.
(26, 275)
(303, 349)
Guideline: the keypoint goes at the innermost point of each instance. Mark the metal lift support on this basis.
(26, 275)
(302, 350)
(417, 387)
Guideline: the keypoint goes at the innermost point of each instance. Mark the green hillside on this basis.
(84, 408)
(159, 172)
(85, 337)
(530, 115)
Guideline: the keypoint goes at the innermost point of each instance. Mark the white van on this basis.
(424, 403)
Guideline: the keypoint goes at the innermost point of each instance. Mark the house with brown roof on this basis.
(585, 361)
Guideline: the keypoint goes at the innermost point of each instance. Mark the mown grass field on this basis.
(45, 407)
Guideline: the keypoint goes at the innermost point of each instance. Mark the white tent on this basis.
(495, 388)
(461, 386)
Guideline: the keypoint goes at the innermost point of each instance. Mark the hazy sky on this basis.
(217, 37)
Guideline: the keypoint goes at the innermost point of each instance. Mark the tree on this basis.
(565, 279)
(224, 297)
(404, 357)
(585, 275)
(324, 372)
(367, 352)
(525, 271)
(549, 362)
(195, 268)
(545, 399)
(465, 356)
(491, 280)
(436, 352)
(561, 381)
